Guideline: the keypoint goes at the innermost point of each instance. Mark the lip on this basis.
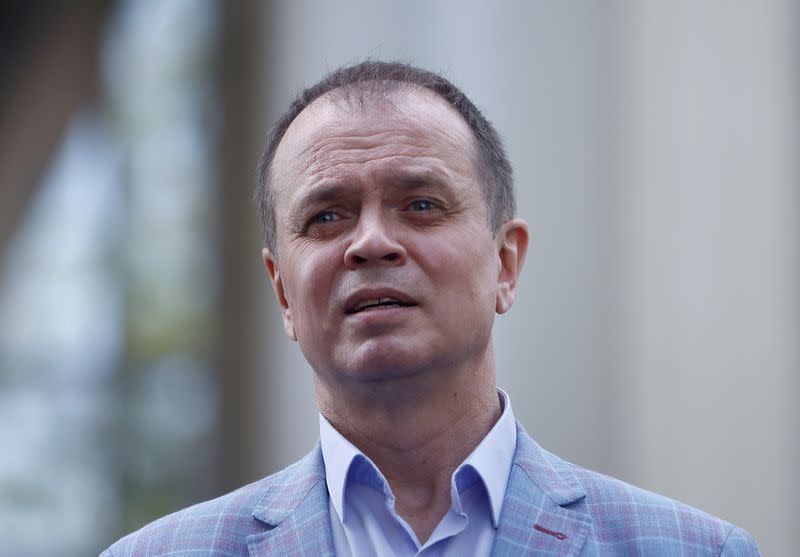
(359, 296)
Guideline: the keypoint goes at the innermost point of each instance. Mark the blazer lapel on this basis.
(296, 506)
(544, 511)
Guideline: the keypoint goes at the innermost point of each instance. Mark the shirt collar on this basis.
(491, 460)
(339, 454)
(494, 455)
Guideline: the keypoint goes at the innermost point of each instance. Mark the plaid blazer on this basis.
(551, 507)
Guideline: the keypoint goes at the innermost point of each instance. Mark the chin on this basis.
(385, 370)
(381, 362)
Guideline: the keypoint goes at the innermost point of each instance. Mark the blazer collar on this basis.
(544, 511)
(296, 506)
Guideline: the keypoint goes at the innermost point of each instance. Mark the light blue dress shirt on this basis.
(363, 517)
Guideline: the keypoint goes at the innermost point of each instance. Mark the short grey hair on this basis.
(496, 176)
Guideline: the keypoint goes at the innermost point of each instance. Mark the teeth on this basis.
(375, 302)
(367, 303)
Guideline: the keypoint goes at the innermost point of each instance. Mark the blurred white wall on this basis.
(655, 336)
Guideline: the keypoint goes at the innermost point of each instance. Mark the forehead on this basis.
(403, 126)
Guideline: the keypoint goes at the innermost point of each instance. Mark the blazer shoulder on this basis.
(218, 526)
(647, 523)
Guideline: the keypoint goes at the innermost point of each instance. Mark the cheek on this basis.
(309, 284)
(463, 268)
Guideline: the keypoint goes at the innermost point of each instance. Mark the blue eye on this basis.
(325, 217)
(421, 205)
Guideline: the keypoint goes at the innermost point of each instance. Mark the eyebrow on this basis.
(416, 179)
(331, 190)
(323, 192)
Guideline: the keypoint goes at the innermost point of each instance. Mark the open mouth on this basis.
(377, 303)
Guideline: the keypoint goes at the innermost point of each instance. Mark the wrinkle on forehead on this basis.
(408, 124)
(329, 156)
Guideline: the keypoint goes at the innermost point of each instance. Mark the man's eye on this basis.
(325, 217)
(421, 205)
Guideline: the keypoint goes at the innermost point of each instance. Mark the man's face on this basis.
(386, 264)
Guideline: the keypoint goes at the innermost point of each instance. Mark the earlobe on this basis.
(512, 247)
(271, 264)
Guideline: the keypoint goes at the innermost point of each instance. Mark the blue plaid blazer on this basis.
(551, 507)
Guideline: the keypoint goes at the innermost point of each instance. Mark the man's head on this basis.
(370, 81)
(389, 262)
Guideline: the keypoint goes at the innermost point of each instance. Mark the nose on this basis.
(374, 242)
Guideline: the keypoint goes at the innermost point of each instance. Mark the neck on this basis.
(417, 430)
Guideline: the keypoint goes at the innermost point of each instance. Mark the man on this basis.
(391, 244)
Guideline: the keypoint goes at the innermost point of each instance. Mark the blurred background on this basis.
(143, 366)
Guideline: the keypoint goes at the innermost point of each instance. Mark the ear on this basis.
(512, 245)
(271, 263)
